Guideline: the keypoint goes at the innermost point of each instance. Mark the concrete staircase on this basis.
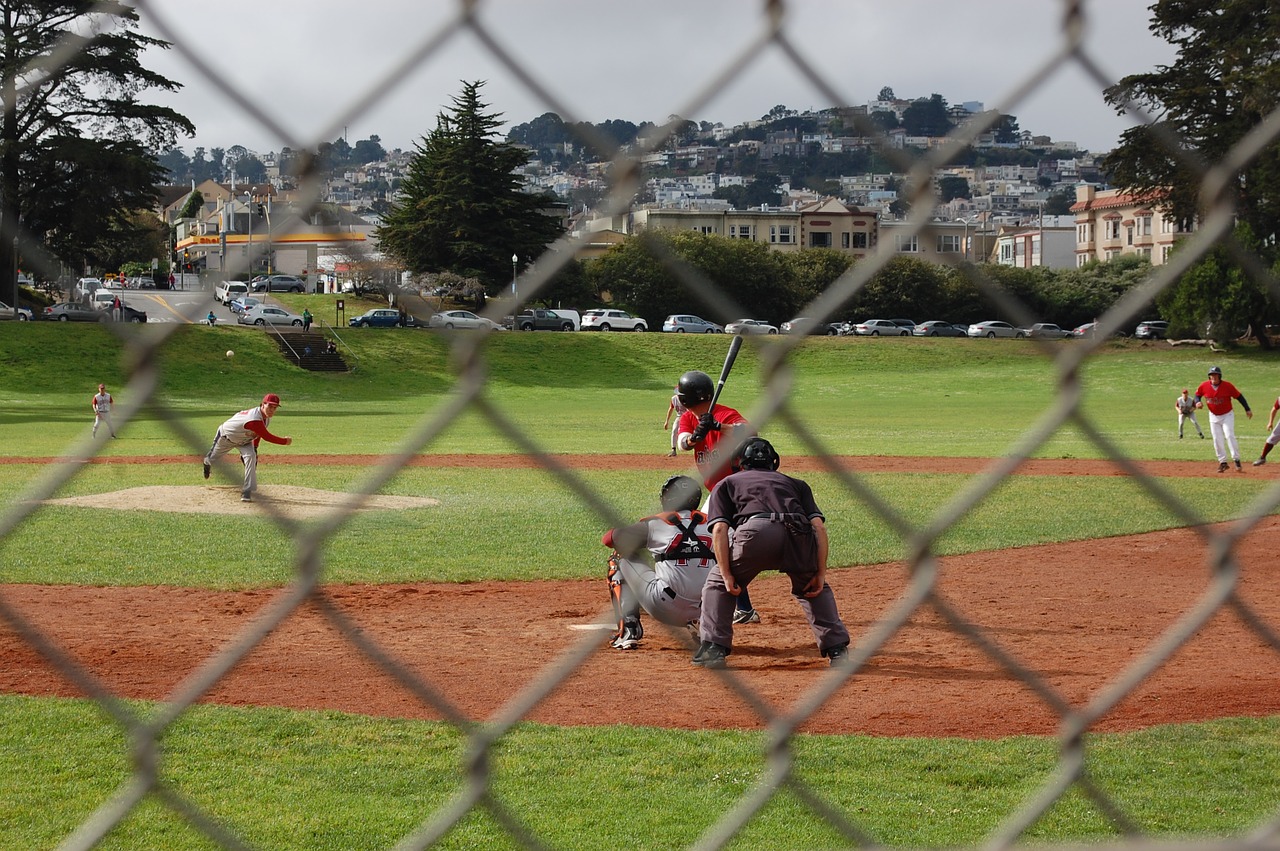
(293, 345)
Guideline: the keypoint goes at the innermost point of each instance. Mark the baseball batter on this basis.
(1273, 438)
(671, 590)
(243, 432)
(1186, 408)
(102, 403)
(1216, 395)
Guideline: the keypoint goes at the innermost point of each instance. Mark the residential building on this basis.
(826, 223)
(1112, 222)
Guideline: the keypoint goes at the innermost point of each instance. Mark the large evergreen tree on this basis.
(1225, 82)
(461, 207)
(77, 146)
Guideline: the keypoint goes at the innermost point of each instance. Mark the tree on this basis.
(76, 140)
(951, 187)
(461, 207)
(927, 117)
(368, 151)
(1222, 86)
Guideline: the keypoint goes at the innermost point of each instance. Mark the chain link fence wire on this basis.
(468, 396)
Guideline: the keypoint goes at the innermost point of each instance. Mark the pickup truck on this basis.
(541, 319)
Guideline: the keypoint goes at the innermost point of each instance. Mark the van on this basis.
(228, 291)
(103, 298)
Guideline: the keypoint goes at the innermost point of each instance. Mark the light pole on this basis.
(248, 209)
(515, 259)
(966, 236)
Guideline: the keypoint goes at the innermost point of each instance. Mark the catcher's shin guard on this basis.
(615, 590)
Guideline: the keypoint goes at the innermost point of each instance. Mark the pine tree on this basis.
(461, 207)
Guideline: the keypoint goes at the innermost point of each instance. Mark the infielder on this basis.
(671, 590)
(1273, 438)
(1186, 408)
(102, 403)
(676, 407)
(1216, 395)
(243, 432)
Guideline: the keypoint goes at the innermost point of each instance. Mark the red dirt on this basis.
(1079, 615)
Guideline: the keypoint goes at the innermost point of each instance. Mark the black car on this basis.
(938, 328)
(277, 284)
(127, 314)
(71, 311)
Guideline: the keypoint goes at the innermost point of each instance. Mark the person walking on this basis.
(1186, 408)
(1216, 395)
(680, 543)
(676, 407)
(306, 319)
(703, 432)
(243, 432)
(102, 403)
(1273, 438)
(776, 525)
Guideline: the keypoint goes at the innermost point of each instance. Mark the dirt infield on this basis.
(1078, 615)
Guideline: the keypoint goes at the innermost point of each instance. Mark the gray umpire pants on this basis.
(764, 543)
(248, 454)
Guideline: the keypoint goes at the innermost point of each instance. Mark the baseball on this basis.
(230, 353)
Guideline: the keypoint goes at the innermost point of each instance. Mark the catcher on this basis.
(671, 590)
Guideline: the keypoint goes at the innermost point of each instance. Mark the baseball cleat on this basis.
(1259, 462)
(838, 655)
(1239, 469)
(710, 655)
(206, 469)
(246, 497)
(1222, 466)
(742, 616)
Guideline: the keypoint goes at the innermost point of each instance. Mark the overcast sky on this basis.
(322, 69)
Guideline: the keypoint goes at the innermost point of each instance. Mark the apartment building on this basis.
(1112, 222)
(826, 223)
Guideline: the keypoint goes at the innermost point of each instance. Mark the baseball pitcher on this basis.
(243, 432)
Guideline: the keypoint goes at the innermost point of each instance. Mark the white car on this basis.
(612, 320)
(24, 314)
(681, 323)
(878, 328)
(750, 326)
(462, 319)
(995, 328)
(1045, 331)
(265, 314)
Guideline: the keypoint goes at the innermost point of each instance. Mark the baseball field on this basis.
(1067, 649)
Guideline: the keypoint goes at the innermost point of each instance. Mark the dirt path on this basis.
(1077, 614)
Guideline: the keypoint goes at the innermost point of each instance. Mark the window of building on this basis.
(1084, 232)
(1113, 229)
(705, 230)
(844, 240)
(907, 244)
(950, 243)
(782, 234)
(1165, 251)
(1112, 253)
(820, 239)
(1129, 235)
(1082, 259)
(1006, 252)
(740, 232)
(1144, 226)
(859, 240)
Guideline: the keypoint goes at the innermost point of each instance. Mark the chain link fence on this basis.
(1219, 592)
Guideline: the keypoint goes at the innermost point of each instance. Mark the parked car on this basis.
(995, 328)
(266, 314)
(104, 298)
(750, 326)
(541, 319)
(24, 313)
(1045, 331)
(682, 323)
(228, 291)
(878, 328)
(938, 328)
(380, 317)
(462, 319)
(1152, 329)
(71, 311)
(85, 288)
(127, 314)
(243, 303)
(806, 325)
(909, 324)
(1088, 330)
(612, 320)
(277, 284)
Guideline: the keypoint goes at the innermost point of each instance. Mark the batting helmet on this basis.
(680, 493)
(695, 387)
(758, 454)
(1215, 370)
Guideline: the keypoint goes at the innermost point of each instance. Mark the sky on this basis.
(318, 70)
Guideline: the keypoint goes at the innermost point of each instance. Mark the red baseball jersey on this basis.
(711, 465)
(1218, 399)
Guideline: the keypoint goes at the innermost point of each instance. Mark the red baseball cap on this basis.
(271, 399)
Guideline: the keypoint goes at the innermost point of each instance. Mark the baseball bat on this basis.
(724, 371)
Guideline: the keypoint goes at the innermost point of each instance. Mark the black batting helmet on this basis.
(1215, 370)
(695, 387)
(758, 454)
(680, 493)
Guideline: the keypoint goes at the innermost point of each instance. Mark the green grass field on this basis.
(327, 780)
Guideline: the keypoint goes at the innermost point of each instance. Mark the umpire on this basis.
(776, 525)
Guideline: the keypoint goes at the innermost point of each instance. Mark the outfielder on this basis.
(1216, 395)
(243, 432)
(102, 403)
(1273, 438)
(1186, 408)
(671, 590)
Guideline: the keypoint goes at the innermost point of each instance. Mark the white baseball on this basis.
(230, 353)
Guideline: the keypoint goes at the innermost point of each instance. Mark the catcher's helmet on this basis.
(1215, 370)
(758, 454)
(680, 493)
(695, 387)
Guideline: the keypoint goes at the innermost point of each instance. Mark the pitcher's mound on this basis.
(296, 502)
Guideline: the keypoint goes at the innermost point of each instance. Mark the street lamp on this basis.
(515, 258)
(966, 236)
(248, 209)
